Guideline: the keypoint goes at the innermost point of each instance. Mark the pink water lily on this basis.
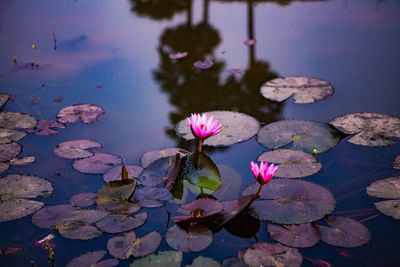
(202, 128)
(263, 174)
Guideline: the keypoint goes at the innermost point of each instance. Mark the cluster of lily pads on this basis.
(291, 206)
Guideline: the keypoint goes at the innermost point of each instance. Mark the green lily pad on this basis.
(296, 235)
(201, 261)
(77, 224)
(124, 247)
(46, 217)
(92, 259)
(3, 99)
(304, 135)
(236, 127)
(344, 232)
(396, 163)
(197, 238)
(114, 196)
(16, 120)
(115, 173)
(76, 149)
(99, 163)
(121, 223)
(9, 151)
(265, 254)
(305, 89)
(169, 258)
(371, 129)
(387, 188)
(293, 163)
(8, 136)
(289, 201)
(151, 156)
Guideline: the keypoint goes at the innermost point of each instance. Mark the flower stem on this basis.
(259, 189)
(200, 144)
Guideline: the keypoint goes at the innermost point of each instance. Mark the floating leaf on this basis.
(3, 99)
(233, 262)
(121, 223)
(152, 156)
(201, 261)
(83, 199)
(43, 127)
(387, 188)
(169, 258)
(92, 258)
(75, 149)
(396, 163)
(46, 217)
(371, 129)
(178, 55)
(115, 173)
(18, 208)
(206, 64)
(298, 236)
(16, 120)
(344, 232)
(123, 247)
(293, 163)
(305, 89)
(9, 151)
(99, 163)
(198, 210)
(157, 172)
(236, 127)
(288, 201)
(22, 161)
(305, 135)
(114, 196)
(197, 238)
(152, 197)
(232, 208)
(88, 113)
(8, 136)
(77, 224)
(265, 254)
(3, 167)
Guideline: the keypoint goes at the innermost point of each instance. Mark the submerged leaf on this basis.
(197, 238)
(152, 156)
(88, 113)
(305, 89)
(99, 163)
(75, 149)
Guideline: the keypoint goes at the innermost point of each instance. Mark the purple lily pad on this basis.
(151, 156)
(9, 151)
(178, 55)
(396, 163)
(344, 232)
(83, 199)
(8, 135)
(114, 196)
(198, 210)
(75, 149)
(115, 173)
(387, 188)
(266, 254)
(298, 236)
(233, 262)
(16, 120)
(170, 258)
(99, 163)
(206, 64)
(46, 217)
(22, 161)
(123, 247)
(197, 238)
(232, 208)
(289, 201)
(4, 166)
(157, 172)
(92, 258)
(121, 223)
(43, 127)
(88, 113)
(77, 224)
(152, 197)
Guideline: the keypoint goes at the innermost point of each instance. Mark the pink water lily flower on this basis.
(263, 174)
(202, 128)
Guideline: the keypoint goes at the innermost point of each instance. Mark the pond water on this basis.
(115, 54)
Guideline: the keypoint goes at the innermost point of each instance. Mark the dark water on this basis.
(115, 54)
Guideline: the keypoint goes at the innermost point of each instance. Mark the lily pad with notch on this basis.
(16, 120)
(77, 224)
(370, 129)
(197, 238)
(44, 127)
(93, 258)
(293, 163)
(83, 199)
(289, 201)
(305, 89)
(151, 156)
(121, 223)
(46, 217)
(128, 245)
(304, 135)
(114, 197)
(115, 173)
(76, 149)
(151, 197)
(99, 163)
(236, 127)
(88, 113)
(169, 258)
(15, 193)
(344, 232)
(296, 235)
(9, 151)
(199, 210)
(387, 188)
